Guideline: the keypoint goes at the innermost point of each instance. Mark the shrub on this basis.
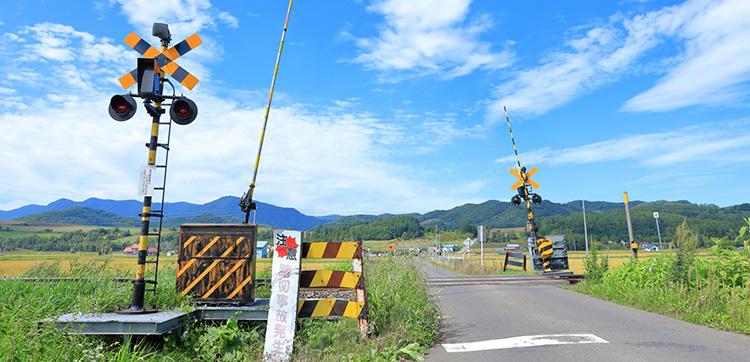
(594, 266)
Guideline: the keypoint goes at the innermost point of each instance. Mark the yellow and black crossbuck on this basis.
(164, 60)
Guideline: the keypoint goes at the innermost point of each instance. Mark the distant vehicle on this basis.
(651, 248)
(500, 250)
(451, 247)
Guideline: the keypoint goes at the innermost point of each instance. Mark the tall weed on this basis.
(594, 266)
(403, 319)
(687, 248)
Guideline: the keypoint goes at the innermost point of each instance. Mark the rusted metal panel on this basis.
(216, 262)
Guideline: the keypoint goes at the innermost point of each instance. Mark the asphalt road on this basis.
(516, 315)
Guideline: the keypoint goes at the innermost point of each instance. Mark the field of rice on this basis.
(15, 264)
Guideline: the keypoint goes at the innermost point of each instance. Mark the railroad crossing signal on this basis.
(524, 177)
(164, 61)
(149, 75)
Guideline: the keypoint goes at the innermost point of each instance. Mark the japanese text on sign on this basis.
(146, 186)
(282, 312)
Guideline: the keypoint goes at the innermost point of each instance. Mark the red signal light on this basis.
(122, 107)
(183, 111)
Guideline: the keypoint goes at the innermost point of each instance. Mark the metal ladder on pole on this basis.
(160, 212)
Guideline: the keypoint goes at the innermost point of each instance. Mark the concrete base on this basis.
(120, 324)
(257, 311)
(158, 323)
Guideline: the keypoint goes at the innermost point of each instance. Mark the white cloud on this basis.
(314, 158)
(184, 17)
(724, 143)
(58, 56)
(318, 160)
(228, 19)
(713, 66)
(428, 37)
(712, 36)
(350, 102)
(65, 149)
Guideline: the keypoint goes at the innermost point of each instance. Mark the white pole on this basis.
(482, 236)
(661, 248)
(585, 229)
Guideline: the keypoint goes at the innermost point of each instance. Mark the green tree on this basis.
(468, 227)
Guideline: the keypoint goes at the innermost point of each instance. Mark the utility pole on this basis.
(585, 229)
(633, 244)
(661, 248)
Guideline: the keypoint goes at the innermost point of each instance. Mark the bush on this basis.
(595, 267)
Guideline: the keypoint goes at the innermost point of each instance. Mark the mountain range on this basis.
(493, 213)
(223, 209)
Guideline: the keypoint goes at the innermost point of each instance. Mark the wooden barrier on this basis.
(510, 260)
(335, 280)
(217, 263)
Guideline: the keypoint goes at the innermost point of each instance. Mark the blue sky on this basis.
(387, 106)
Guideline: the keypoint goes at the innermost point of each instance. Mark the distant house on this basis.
(651, 248)
(512, 248)
(133, 250)
(261, 249)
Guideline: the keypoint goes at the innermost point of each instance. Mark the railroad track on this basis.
(504, 279)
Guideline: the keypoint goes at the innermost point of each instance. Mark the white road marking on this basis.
(523, 341)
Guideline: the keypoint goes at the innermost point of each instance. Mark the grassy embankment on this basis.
(710, 287)
(402, 315)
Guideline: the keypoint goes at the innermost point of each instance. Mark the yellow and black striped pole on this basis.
(139, 285)
(522, 171)
(246, 203)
